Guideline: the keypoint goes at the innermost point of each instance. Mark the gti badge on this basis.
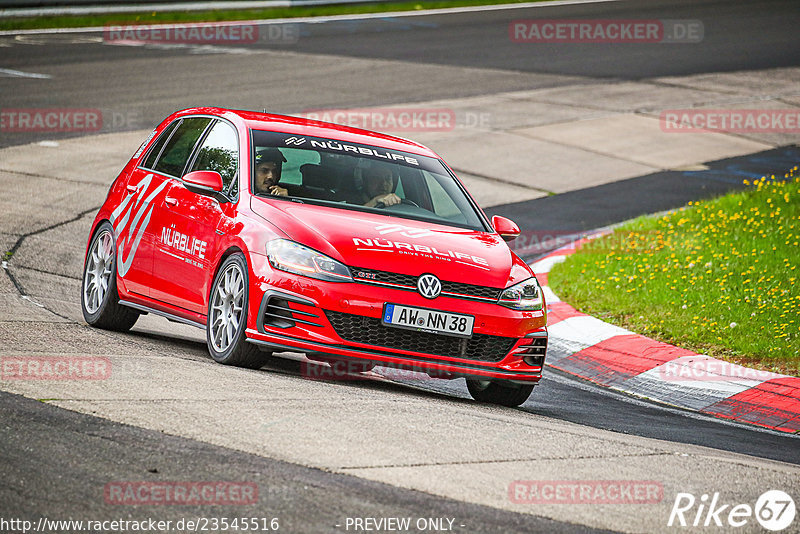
(429, 286)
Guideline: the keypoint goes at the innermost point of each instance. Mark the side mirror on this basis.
(507, 228)
(208, 182)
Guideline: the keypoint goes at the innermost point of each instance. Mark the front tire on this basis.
(227, 317)
(99, 296)
(502, 393)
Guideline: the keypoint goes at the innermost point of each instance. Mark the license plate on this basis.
(431, 321)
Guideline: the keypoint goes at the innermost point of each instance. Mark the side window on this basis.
(443, 204)
(179, 147)
(219, 152)
(158, 145)
(295, 159)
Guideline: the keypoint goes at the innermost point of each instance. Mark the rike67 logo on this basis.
(774, 510)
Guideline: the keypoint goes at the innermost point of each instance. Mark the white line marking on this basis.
(11, 73)
(192, 48)
(544, 266)
(549, 296)
(334, 18)
(189, 6)
(26, 297)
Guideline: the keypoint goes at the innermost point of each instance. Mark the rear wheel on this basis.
(502, 393)
(227, 317)
(99, 296)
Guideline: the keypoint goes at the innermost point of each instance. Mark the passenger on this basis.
(378, 186)
(269, 163)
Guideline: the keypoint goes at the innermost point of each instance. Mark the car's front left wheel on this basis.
(227, 317)
(99, 296)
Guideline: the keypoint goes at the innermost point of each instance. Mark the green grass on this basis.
(154, 17)
(719, 277)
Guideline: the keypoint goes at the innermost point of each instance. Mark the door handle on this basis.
(171, 201)
(131, 188)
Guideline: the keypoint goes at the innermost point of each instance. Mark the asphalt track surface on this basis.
(427, 57)
(302, 498)
(595, 207)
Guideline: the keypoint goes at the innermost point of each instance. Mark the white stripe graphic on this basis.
(11, 73)
(138, 225)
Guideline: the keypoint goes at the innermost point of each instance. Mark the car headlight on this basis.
(295, 258)
(527, 296)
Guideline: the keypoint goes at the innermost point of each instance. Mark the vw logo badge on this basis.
(429, 286)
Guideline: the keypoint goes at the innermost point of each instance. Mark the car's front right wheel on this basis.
(227, 317)
(502, 393)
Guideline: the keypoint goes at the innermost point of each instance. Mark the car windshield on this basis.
(359, 177)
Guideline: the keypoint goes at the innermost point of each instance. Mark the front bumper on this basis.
(294, 313)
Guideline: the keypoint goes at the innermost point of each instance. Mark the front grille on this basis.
(409, 282)
(369, 331)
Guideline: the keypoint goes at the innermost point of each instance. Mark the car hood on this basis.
(374, 241)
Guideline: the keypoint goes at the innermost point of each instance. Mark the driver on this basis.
(378, 185)
(269, 163)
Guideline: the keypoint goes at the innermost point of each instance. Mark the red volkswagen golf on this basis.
(277, 233)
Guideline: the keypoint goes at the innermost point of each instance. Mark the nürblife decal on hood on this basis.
(281, 140)
(422, 251)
